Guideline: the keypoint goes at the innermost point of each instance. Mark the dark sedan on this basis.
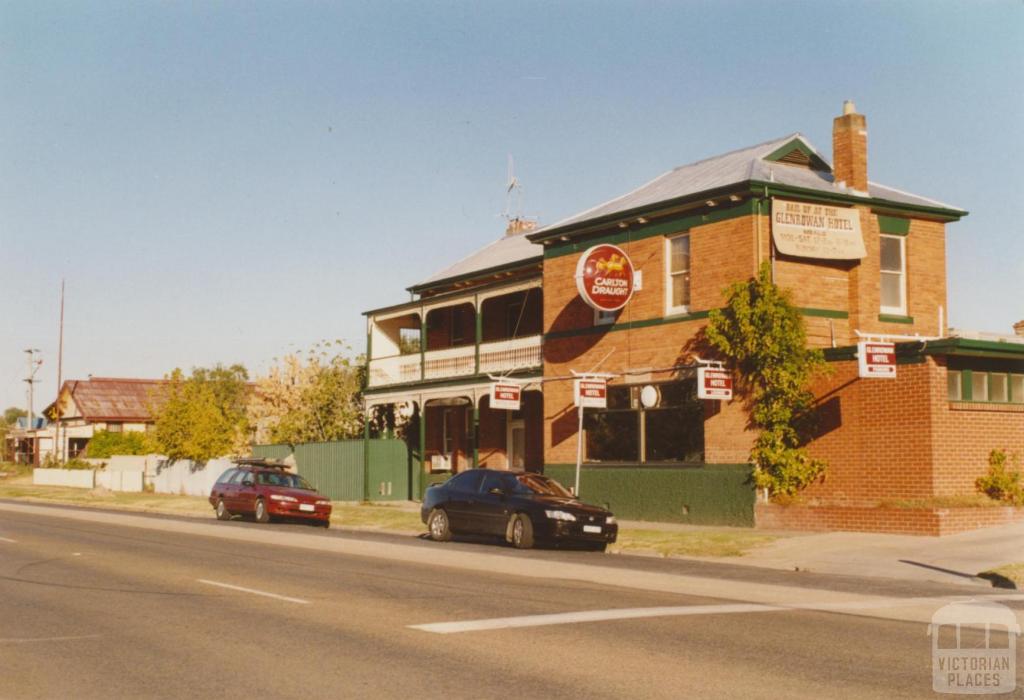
(521, 507)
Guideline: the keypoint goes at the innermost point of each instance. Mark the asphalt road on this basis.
(93, 610)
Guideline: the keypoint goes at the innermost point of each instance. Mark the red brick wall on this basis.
(492, 436)
(922, 521)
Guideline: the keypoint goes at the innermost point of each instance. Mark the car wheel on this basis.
(522, 531)
(222, 511)
(438, 525)
(261, 514)
(325, 524)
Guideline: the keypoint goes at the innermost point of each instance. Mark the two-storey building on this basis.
(860, 259)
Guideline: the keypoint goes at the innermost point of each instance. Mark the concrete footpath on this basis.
(950, 559)
(916, 608)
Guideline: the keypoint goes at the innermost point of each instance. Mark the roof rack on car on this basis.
(260, 462)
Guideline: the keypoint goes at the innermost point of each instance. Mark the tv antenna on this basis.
(513, 193)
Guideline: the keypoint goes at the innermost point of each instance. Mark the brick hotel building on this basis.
(899, 450)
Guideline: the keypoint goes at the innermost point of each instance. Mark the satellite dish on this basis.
(650, 396)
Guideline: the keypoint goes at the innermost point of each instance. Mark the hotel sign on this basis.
(590, 393)
(714, 383)
(817, 230)
(505, 396)
(605, 277)
(876, 360)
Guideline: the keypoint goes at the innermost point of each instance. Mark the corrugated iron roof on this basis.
(112, 399)
(734, 168)
(507, 250)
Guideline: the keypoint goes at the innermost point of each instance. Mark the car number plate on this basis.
(307, 507)
(591, 528)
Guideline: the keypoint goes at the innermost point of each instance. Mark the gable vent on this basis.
(796, 157)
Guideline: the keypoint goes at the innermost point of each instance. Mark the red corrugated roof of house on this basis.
(113, 399)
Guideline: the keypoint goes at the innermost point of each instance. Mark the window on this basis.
(677, 274)
(671, 431)
(513, 316)
(953, 385)
(893, 275)
(226, 476)
(458, 328)
(114, 427)
(984, 386)
(605, 318)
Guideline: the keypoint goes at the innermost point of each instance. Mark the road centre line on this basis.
(254, 591)
(7, 539)
(30, 640)
(684, 610)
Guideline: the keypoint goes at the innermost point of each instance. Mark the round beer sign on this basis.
(604, 277)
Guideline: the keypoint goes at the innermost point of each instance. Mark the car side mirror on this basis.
(496, 491)
(247, 481)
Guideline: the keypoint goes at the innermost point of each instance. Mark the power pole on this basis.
(33, 367)
(58, 442)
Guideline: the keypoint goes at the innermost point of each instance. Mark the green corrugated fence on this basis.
(711, 494)
(336, 468)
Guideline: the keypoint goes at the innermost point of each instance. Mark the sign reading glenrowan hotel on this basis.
(817, 230)
(714, 383)
(876, 360)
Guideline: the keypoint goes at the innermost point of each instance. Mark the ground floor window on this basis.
(988, 385)
(670, 431)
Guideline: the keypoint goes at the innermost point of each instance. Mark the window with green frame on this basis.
(983, 385)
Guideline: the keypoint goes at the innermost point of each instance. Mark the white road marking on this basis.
(76, 554)
(254, 591)
(49, 639)
(682, 610)
(7, 539)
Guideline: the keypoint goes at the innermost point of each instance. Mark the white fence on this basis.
(76, 478)
(185, 477)
(130, 481)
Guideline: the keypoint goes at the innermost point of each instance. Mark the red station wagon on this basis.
(264, 490)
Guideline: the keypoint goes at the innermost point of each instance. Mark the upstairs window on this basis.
(677, 274)
(893, 275)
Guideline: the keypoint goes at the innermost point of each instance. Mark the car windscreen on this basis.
(290, 481)
(535, 483)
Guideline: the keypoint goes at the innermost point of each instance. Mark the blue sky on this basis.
(228, 181)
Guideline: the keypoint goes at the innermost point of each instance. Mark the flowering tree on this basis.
(309, 397)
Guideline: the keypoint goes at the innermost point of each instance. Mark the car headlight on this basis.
(279, 497)
(323, 503)
(610, 520)
(560, 515)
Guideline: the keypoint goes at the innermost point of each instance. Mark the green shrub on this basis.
(78, 464)
(106, 444)
(1003, 481)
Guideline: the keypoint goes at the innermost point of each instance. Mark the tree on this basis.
(203, 416)
(12, 414)
(762, 334)
(309, 397)
(104, 444)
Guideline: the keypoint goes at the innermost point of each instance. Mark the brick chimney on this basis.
(519, 225)
(1018, 328)
(850, 148)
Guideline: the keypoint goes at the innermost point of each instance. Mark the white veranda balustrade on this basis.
(508, 355)
(394, 370)
(499, 356)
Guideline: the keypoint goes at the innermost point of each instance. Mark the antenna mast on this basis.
(513, 191)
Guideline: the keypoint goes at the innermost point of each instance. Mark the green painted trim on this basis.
(639, 232)
(484, 272)
(890, 318)
(760, 187)
(366, 459)
(479, 337)
(418, 480)
(824, 313)
(797, 144)
(894, 225)
(650, 465)
(476, 436)
(906, 353)
(975, 348)
(423, 346)
(434, 383)
(628, 325)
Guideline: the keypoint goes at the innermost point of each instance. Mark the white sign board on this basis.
(505, 396)
(714, 383)
(590, 393)
(817, 230)
(876, 360)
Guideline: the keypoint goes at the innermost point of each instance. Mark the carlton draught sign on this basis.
(604, 277)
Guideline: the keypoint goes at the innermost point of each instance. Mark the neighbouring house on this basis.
(85, 406)
(862, 260)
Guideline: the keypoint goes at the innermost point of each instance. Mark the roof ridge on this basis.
(782, 139)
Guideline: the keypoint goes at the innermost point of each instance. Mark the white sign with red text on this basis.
(876, 360)
(590, 393)
(714, 383)
(505, 396)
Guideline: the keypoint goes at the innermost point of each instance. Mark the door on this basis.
(490, 512)
(516, 445)
(463, 492)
